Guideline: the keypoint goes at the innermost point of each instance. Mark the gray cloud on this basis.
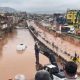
(41, 5)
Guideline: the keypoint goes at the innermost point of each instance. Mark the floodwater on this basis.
(13, 62)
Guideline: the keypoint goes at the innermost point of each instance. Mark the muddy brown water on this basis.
(13, 62)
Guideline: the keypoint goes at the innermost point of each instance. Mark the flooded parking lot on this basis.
(13, 62)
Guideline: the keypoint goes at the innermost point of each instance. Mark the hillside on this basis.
(7, 9)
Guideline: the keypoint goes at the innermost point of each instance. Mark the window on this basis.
(70, 16)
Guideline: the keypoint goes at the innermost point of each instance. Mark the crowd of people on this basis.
(70, 72)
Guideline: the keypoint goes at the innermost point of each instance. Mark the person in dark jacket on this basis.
(70, 70)
(42, 75)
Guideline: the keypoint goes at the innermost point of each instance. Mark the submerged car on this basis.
(21, 47)
(68, 29)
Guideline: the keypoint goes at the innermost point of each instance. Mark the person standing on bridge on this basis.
(70, 71)
(37, 50)
(75, 58)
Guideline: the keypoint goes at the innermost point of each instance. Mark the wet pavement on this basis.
(13, 62)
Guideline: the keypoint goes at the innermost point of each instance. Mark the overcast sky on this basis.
(41, 5)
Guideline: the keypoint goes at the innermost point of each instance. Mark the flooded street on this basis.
(13, 62)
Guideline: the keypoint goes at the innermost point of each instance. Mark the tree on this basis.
(77, 16)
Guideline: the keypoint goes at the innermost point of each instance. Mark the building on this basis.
(72, 17)
(2, 14)
(6, 22)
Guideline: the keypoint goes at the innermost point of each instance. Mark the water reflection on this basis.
(0, 53)
(5, 39)
(20, 52)
(11, 35)
(2, 43)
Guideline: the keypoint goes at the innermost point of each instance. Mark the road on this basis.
(13, 62)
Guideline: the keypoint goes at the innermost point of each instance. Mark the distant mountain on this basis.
(7, 9)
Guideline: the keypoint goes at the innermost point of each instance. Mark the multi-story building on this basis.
(72, 17)
(6, 22)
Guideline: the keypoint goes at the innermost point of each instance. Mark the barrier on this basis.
(46, 47)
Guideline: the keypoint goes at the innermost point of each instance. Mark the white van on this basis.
(69, 29)
(72, 30)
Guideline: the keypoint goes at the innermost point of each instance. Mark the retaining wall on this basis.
(64, 36)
